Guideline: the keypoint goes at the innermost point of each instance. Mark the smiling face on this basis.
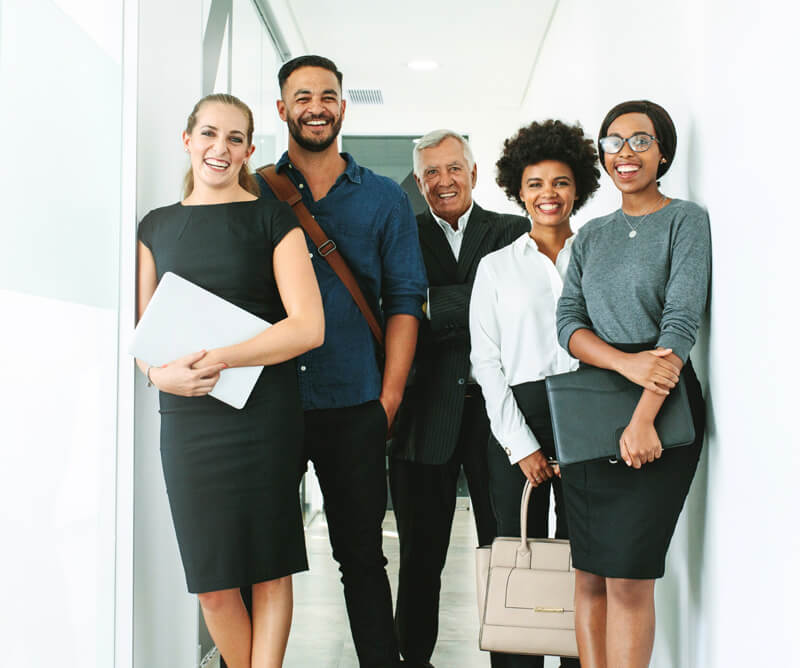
(217, 145)
(311, 105)
(548, 191)
(633, 172)
(446, 180)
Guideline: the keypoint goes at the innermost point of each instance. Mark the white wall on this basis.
(723, 70)
(751, 523)
(60, 82)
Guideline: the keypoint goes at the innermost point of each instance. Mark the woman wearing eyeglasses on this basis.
(632, 301)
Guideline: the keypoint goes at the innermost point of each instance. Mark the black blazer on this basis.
(428, 423)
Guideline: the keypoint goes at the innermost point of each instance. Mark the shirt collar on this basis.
(527, 241)
(462, 220)
(352, 171)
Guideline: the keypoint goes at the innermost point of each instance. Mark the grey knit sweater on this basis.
(652, 288)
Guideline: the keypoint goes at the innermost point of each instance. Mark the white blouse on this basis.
(512, 323)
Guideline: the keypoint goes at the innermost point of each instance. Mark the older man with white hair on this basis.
(442, 427)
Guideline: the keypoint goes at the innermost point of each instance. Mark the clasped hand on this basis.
(640, 444)
(186, 376)
(650, 370)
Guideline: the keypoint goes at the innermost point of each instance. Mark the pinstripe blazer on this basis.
(428, 423)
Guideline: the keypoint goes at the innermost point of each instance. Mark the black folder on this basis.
(591, 407)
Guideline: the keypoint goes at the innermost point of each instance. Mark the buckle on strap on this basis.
(329, 246)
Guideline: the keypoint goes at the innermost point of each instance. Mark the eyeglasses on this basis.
(639, 142)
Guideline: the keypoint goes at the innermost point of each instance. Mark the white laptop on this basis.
(183, 318)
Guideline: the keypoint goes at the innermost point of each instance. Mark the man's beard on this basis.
(314, 145)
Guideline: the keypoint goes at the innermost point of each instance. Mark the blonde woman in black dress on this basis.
(232, 474)
(633, 297)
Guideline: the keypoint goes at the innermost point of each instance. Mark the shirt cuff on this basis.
(520, 444)
(680, 345)
(405, 304)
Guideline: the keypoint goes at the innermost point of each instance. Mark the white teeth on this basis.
(548, 207)
(216, 163)
(446, 195)
(625, 169)
(316, 122)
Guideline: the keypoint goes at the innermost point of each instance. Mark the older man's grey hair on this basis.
(434, 138)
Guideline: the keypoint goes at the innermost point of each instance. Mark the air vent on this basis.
(365, 95)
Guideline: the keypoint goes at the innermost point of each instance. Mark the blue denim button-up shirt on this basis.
(370, 219)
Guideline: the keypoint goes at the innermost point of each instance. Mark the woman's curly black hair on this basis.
(549, 140)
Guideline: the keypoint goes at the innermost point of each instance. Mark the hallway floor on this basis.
(320, 635)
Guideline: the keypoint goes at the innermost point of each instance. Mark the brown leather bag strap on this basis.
(286, 191)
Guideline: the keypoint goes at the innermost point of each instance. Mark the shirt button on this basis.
(303, 367)
(508, 451)
(291, 166)
(300, 186)
(460, 381)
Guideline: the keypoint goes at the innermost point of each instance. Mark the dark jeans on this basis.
(506, 482)
(347, 446)
(424, 498)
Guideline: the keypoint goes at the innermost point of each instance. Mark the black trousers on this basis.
(348, 448)
(506, 482)
(424, 498)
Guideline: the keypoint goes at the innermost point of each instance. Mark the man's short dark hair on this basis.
(549, 140)
(307, 61)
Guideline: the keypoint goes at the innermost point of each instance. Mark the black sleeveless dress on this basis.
(232, 475)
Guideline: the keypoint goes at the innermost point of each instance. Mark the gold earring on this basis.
(663, 161)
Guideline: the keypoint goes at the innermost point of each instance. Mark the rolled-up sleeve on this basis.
(404, 282)
(505, 418)
(571, 314)
(686, 291)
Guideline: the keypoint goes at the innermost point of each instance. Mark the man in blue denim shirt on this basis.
(348, 404)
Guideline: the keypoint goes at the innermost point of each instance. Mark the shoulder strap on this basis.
(285, 191)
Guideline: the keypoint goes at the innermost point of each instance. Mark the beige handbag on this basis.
(526, 593)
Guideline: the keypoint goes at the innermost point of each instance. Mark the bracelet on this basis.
(147, 375)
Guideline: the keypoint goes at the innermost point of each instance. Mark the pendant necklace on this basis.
(632, 233)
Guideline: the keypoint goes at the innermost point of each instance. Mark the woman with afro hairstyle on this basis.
(550, 170)
(633, 297)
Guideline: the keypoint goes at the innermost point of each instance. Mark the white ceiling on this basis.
(485, 51)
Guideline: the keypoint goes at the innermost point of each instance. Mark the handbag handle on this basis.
(523, 517)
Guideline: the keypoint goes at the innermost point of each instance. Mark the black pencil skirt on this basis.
(621, 519)
(232, 480)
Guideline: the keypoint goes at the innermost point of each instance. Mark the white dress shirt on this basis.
(512, 324)
(454, 236)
